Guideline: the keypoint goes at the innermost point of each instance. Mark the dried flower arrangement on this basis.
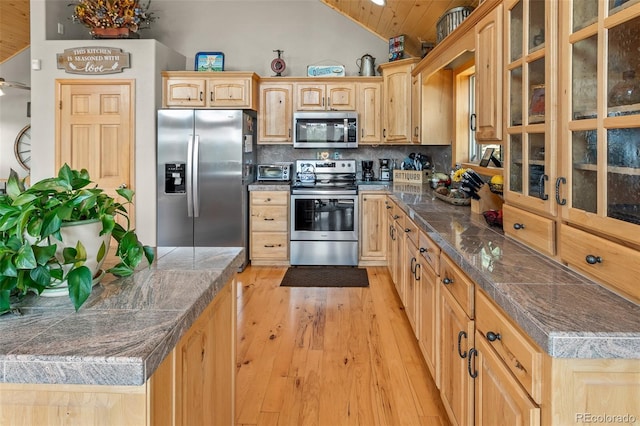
(129, 14)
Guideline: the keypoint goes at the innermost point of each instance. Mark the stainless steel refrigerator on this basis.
(205, 162)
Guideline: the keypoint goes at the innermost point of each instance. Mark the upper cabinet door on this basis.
(275, 115)
(489, 53)
(600, 180)
(232, 93)
(184, 92)
(325, 97)
(531, 66)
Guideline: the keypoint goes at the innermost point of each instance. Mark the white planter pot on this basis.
(88, 232)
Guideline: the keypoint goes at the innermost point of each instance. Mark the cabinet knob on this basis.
(389, 207)
(447, 281)
(407, 230)
(518, 226)
(492, 337)
(395, 216)
(592, 259)
(268, 199)
(423, 250)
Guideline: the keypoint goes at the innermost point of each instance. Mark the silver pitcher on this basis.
(367, 65)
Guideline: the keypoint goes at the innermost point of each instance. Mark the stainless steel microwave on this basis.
(274, 172)
(325, 129)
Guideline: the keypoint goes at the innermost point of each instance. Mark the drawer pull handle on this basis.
(269, 245)
(472, 352)
(413, 266)
(416, 275)
(492, 337)
(518, 226)
(460, 336)
(592, 260)
(447, 281)
(389, 207)
(269, 218)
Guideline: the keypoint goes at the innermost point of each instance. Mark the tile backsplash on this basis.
(439, 155)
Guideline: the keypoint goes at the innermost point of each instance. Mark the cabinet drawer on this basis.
(430, 251)
(521, 357)
(535, 231)
(269, 245)
(613, 264)
(270, 198)
(269, 218)
(456, 281)
(411, 230)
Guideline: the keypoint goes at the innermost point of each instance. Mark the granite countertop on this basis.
(568, 315)
(124, 330)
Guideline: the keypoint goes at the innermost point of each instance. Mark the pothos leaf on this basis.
(79, 282)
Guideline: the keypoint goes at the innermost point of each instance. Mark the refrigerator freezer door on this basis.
(220, 190)
(175, 131)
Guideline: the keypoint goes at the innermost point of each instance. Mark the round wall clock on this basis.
(22, 147)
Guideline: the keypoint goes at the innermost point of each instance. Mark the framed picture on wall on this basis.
(209, 61)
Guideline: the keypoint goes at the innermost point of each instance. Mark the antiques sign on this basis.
(93, 60)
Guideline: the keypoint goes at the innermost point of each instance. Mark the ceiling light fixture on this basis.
(378, 2)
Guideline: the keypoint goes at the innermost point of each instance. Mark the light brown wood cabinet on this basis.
(456, 342)
(205, 365)
(395, 245)
(369, 107)
(428, 294)
(191, 89)
(195, 384)
(396, 78)
(275, 116)
(498, 397)
(489, 42)
(437, 108)
(416, 109)
(325, 97)
(269, 227)
(373, 228)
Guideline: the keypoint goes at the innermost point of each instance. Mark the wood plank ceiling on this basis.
(14, 27)
(415, 19)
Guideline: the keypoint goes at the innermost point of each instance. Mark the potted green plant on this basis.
(34, 255)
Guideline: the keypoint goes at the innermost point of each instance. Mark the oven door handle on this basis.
(319, 192)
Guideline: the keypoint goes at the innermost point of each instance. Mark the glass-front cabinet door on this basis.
(599, 186)
(529, 98)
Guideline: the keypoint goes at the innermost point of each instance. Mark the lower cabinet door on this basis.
(499, 399)
(456, 385)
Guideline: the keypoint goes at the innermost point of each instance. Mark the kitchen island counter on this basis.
(565, 313)
(126, 328)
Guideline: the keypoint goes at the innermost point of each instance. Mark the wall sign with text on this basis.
(93, 60)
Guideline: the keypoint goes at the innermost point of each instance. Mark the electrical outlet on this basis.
(60, 28)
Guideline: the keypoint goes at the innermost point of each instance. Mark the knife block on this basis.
(488, 200)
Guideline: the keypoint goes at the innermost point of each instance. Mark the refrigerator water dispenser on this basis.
(174, 178)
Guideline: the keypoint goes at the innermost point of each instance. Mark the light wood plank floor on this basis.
(328, 356)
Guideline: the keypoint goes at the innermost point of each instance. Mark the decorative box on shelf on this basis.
(411, 176)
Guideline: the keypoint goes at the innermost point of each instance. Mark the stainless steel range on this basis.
(324, 213)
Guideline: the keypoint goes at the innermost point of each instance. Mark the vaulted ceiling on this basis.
(14, 27)
(415, 19)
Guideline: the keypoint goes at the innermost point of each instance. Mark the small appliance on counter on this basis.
(385, 169)
(367, 170)
(280, 172)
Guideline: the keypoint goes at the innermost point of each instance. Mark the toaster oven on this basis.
(274, 172)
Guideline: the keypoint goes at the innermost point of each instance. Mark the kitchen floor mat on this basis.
(325, 276)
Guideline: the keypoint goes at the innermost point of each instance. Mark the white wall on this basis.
(246, 31)
(13, 111)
